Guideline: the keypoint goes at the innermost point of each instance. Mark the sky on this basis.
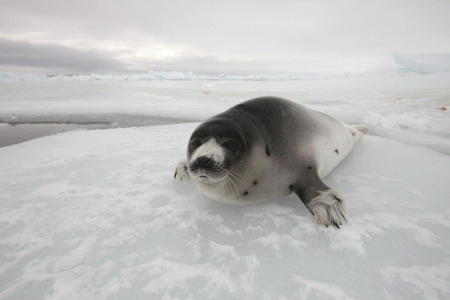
(215, 37)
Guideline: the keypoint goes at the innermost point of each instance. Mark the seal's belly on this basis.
(276, 183)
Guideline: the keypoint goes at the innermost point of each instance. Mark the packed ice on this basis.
(96, 214)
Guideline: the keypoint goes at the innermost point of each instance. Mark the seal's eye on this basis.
(231, 145)
(195, 143)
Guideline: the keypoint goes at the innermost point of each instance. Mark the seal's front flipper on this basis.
(181, 172)
(327, 206)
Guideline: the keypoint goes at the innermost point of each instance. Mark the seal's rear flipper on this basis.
(357, 131)
(361, 128)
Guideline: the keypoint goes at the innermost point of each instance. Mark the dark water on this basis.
(14, 134)
(22, 129)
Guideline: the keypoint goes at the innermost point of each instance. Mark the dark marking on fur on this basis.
(309, 168)
(245, 193)
(255, 182)
(336, 150)
(267, 150)
(291, 187)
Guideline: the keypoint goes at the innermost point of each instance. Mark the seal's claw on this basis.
(329, 209)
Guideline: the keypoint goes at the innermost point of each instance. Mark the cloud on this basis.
(93, 58)
(19, 53)
(227, 36)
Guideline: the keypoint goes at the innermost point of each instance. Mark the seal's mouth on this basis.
(207, 176)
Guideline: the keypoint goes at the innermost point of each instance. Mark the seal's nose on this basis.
(204, 161)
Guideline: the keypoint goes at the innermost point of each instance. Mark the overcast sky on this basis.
(207, 36)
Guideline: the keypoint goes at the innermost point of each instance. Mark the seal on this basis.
(267, 148)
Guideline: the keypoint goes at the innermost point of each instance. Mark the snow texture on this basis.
(96, 214)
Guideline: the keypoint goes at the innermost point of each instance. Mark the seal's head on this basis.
(215, 149)
(227, 158)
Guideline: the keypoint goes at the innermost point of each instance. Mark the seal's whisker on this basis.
(221, 186)
(229, 169)
(239, 180)
(233, 185)
(227, 185)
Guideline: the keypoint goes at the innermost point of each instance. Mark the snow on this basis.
(96, 214)
(402, 107)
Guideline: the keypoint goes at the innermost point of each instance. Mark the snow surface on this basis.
(404, 107)
(96, 214)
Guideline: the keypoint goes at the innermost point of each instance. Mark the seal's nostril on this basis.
(204, 161)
